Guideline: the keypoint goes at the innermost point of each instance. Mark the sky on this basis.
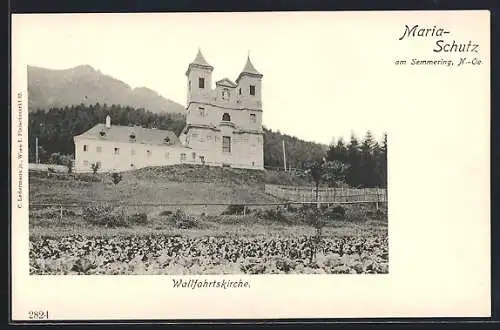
(319, 83)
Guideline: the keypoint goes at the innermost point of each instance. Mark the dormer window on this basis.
(201, 82)
(226, 117)
(166, 140)
(252, 89)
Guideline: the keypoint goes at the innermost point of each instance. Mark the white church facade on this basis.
(223, 128)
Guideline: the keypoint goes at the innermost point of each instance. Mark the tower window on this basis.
(252, 117)
(239, 91)
(226, 117)
(189, 85)
(252, 89)
(85, 147)
(225, 94)
(201, 82)
(226, 144)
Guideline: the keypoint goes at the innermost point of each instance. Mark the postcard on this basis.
(273, 165)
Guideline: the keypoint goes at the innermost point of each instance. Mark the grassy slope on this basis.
(176, 184)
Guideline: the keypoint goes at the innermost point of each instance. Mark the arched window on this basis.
(226, 117)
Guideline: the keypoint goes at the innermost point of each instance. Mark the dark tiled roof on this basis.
(123, 134)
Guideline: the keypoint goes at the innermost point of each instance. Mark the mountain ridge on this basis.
(57, 88)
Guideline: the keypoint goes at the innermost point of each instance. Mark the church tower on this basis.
(249, 87)
(199, 76)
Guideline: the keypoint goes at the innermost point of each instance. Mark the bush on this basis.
(94, 167)
(337, 212)
(234, 209)
(139, 218)
(183, 220)
(116, 177)
(275, 215)
(103, 214)
(165, 212)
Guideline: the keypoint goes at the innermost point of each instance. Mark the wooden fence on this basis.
(327, 195)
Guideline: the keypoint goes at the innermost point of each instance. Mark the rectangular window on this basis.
(85, 163)
(194, 155)
(85, 148)
(183, 157)
(252, 118)
(99, 164)
(132, 152)
(148, 152)
(239, 91)
(167, 155)
(202, 111)
(98, 149)
(201, 82)
(252, 89)
(117, 151)
(226, 144)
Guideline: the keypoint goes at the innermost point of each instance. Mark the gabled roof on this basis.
(226, 82)
(123, 134)
(250, 70)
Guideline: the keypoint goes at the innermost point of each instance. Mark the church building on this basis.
(223, 128)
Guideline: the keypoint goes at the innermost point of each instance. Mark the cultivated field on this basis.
(106, 232)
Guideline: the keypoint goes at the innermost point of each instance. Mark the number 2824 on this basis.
(38, 315)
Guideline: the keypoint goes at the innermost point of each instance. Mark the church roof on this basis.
(249, 69)
(124, 134)
(226, 82)
(200, 60)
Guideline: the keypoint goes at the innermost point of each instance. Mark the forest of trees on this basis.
(299, 153)
(362, 163)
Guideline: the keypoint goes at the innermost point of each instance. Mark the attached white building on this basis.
(223, 128)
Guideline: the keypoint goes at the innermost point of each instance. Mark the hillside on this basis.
(49, 88)
(158, 185)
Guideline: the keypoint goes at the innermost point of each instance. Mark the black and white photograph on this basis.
(300, 155)
(188, 176)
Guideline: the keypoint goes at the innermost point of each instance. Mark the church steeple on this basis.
(249, 70)
(199, 62)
